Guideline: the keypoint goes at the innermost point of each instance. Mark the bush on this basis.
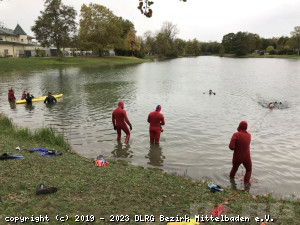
(139, 55)
(272, 52)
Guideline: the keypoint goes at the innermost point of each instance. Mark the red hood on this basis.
(158, 108)
(121, 104)
(242, 126)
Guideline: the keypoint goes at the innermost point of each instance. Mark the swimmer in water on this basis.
(271, 105)
(211, 92)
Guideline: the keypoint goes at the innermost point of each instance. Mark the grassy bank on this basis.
(118, 189)
(32, 63)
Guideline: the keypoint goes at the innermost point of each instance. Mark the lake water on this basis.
(198, 126)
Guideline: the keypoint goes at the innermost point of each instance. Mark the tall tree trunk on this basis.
(100, 52)
(58, 49)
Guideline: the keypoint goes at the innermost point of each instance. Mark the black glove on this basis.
(130, 127)
(115, 128)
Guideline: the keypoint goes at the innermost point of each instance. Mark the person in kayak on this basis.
(119, 120)
(29, 98)
(11, 94)
(50, 98)
(23, 95)
(156, 120)
(240, 144)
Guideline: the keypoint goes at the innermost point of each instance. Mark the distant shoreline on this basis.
(263, 56)
(41, 63)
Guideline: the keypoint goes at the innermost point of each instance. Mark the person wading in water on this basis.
(119, 120)
(240, 144)
(156, 120)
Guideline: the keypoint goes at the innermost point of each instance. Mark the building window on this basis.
(22, 40)
(6, 51)
(1, 39)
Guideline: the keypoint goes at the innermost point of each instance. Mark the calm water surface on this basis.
(198, 126)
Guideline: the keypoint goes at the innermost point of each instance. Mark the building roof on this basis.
(7, 31)
(19, 31)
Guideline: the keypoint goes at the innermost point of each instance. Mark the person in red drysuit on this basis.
(156, 120)
(11, 94)
(23, 95)
(240, 144)
(119, 118)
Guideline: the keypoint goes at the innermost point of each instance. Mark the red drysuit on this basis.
(11, 95)
(119, 118)
(240, 143)
(156, 119)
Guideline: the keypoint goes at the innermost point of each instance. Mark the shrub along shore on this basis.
(32, 63)
(111, 192)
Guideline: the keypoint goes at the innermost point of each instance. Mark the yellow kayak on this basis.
(38, 99)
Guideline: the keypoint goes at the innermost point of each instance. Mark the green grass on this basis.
(118, 189)
(34, 63)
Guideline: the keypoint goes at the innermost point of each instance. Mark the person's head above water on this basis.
(242, 126)
(210, 91)
(158, 108)
(121, 104)
(271, 105)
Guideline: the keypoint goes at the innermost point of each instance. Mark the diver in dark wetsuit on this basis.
(50, 98)
(28, 98)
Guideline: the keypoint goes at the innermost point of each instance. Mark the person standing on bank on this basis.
(119, 120)
(240, 144)
(156, 120)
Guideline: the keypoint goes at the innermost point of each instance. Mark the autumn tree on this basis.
(241, 43)
(132, 43)
(179, 47)
(56, 24)
(193, 47)
(99, 28)
(149, 43)
(227, 42)
(221, 51)
(296, 37)
(126, 26)
(165, 39)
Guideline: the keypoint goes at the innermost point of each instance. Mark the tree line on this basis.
(242, 43)
(100, 30)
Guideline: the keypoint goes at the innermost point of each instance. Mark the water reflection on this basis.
(29, 107)
(50, 105)
(121, 151)
(155, 156)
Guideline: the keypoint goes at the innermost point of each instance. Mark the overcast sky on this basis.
(206, 20)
